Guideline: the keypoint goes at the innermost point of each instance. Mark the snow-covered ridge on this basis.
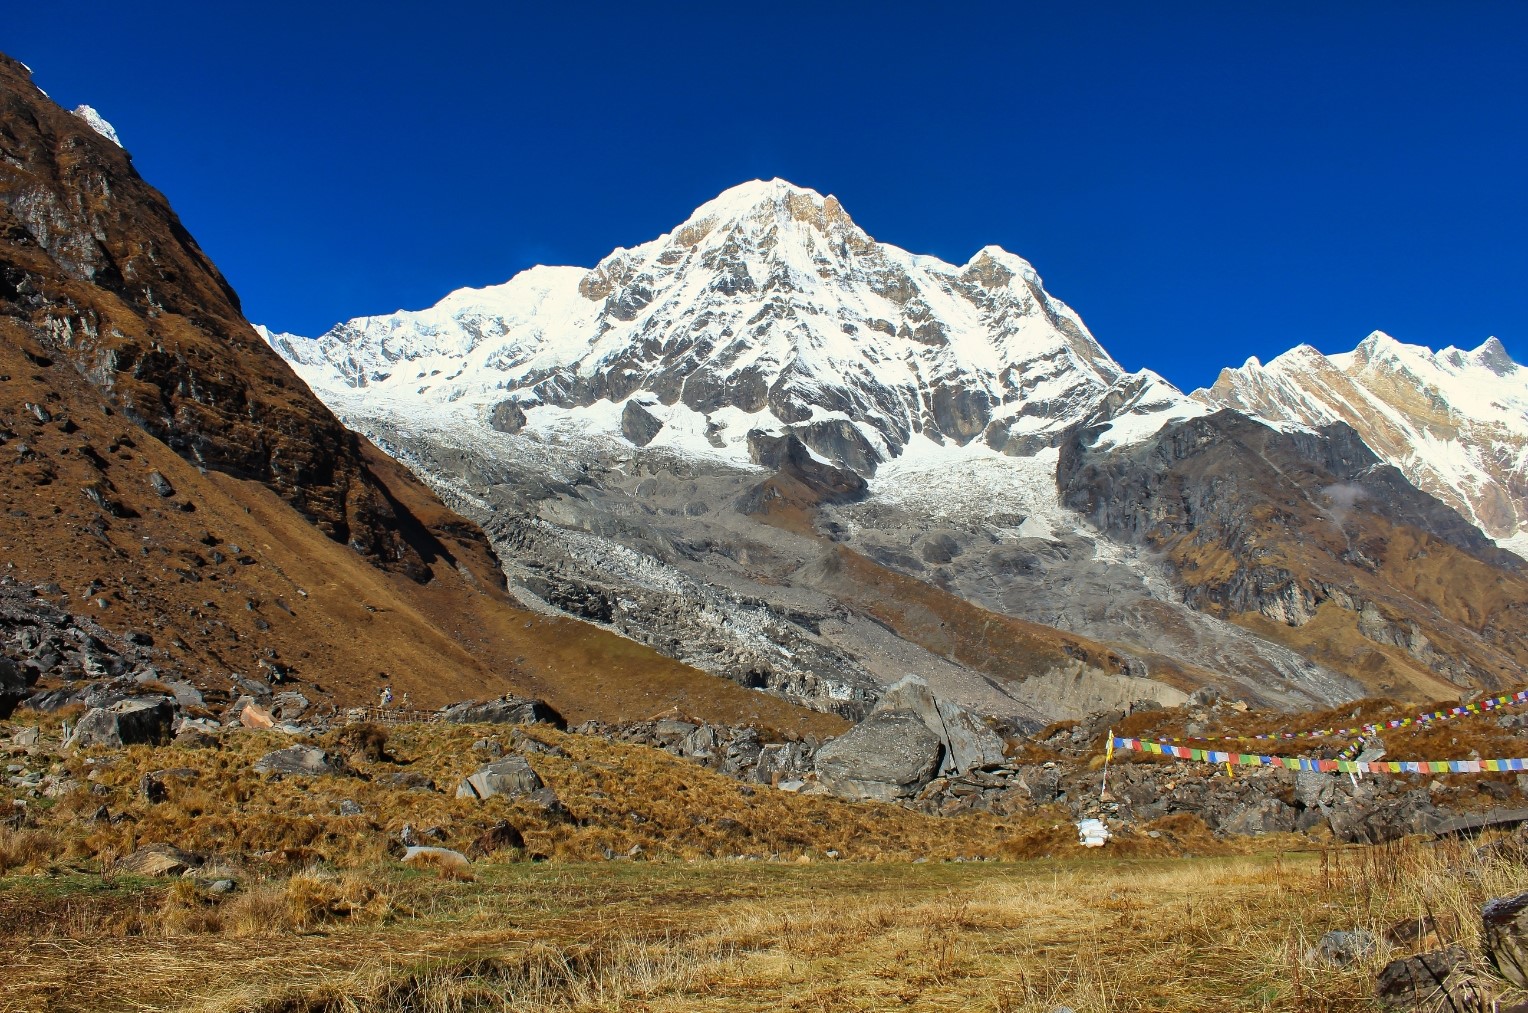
(1455, 422)
(767, 308)
(98, 123)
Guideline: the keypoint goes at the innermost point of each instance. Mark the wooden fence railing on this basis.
(390, 716)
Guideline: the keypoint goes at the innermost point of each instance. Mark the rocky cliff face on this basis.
(100, 273)
(1454, 422)
(1309, 539)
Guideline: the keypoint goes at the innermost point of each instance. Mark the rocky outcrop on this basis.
(125, 723)
(789, 456)
(506, 710)
(966, 743)
(507, 417)
(887, 757)
(639, 425)
(1259, 522)
(14, 686)
(1437, 982)
(1505, 924)
(512, 777)
(100, 273)
(301, 761)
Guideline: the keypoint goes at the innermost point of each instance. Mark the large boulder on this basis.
(506, 710)
(968, 743)
(1360, 821)
(888, 756)
(511, 777)
(301, 761)
(13, 686)
(1265, 815)
(782, 761)
(137, 721)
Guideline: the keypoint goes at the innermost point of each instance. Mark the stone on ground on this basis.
(300, 761)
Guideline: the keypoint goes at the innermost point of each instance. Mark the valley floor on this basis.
(1093, 933)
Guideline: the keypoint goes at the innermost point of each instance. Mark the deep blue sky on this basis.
(1201, 181)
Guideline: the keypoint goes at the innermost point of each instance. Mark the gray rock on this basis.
(507, 417)
(1264, 815)
(639, 425)
(13, 687)
(1340, 949)
(888, 756)
(350, 807)
(160, 484)
(968, 743)
(300, 761)
(412, 780)
(1362, 821)
(550, 805)
(1314, 789)
(1505, 921)
(1041, 783)
(186, 695)
(138, 721)
(506, 710)
(1203, 696)
(511, 777)
(289, 706)
(782, 761)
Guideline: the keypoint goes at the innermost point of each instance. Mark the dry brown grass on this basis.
(26, 849)
(1229, 933)
(620, 797)
(325, 918)
(1221, 934)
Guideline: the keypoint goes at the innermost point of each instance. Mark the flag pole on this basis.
(1103, 786)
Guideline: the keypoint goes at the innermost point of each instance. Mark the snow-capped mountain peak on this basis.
(98, 123)
(1454, 421)
(766, 308)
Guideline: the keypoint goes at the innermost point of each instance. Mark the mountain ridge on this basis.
(642, 382)
(1454, 421)
(768, 308)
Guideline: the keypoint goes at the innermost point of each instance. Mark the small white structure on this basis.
(1092, 833)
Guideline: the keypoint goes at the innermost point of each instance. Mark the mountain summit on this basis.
(767, 309)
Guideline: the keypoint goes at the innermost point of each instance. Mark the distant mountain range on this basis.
(768, 445)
